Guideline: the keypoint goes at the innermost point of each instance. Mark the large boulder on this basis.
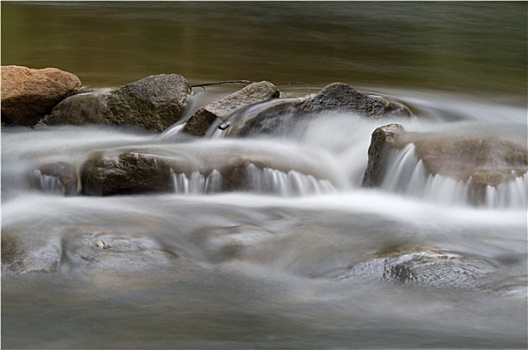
(480, 161)
(30, 94)
(153, 103)
(336, 97)
(222, 108)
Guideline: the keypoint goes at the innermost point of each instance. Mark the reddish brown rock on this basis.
(30, 94)
(62, 174)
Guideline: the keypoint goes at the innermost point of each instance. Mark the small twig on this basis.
(245, 82)
(295, 83)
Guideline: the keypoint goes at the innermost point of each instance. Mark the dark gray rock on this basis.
(337, 97)
(153, 103)
(190, 170)
(383, 138)
(273, 120)
(340, 97)
(126, 173)
(204, 117)
(80, 109)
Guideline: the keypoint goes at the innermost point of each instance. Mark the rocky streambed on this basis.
(189, 217)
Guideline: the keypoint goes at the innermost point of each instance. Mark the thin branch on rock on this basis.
(245, 82)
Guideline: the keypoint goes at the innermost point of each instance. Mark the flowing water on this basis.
(304, 258)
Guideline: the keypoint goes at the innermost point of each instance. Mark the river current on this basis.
(297, 262)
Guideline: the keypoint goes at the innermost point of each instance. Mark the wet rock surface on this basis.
(424, 267)
(161, 171)
(153, 103)
(29, 94)
(126, 173)
(382, 138)
(336, 97)
(340, 97)
(221, 109)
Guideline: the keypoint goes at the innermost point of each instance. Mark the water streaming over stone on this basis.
(269, 241)
(407, 175)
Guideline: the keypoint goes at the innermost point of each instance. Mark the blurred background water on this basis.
(460, 46)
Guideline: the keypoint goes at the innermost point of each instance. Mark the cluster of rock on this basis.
(53, 97)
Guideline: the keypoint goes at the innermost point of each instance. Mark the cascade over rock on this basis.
(480, 161)
(382, 138)
(29, 94)
(205, 116)
(159, 171)
(59, 176)
(153, 103)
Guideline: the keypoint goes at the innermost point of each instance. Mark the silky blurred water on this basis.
(269, 268)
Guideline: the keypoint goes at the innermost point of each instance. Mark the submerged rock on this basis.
(153, 103)
(30, 94)
(425, 267)
(64, 247)
(23, 252)
(204, 117)
(479, 161)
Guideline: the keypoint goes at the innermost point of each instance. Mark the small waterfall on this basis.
(263, 181)
(293, 183)
(407, 175)
(51, 184)
(508, 194)
(197, 183)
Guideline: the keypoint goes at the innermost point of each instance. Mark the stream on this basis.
(296, 261)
